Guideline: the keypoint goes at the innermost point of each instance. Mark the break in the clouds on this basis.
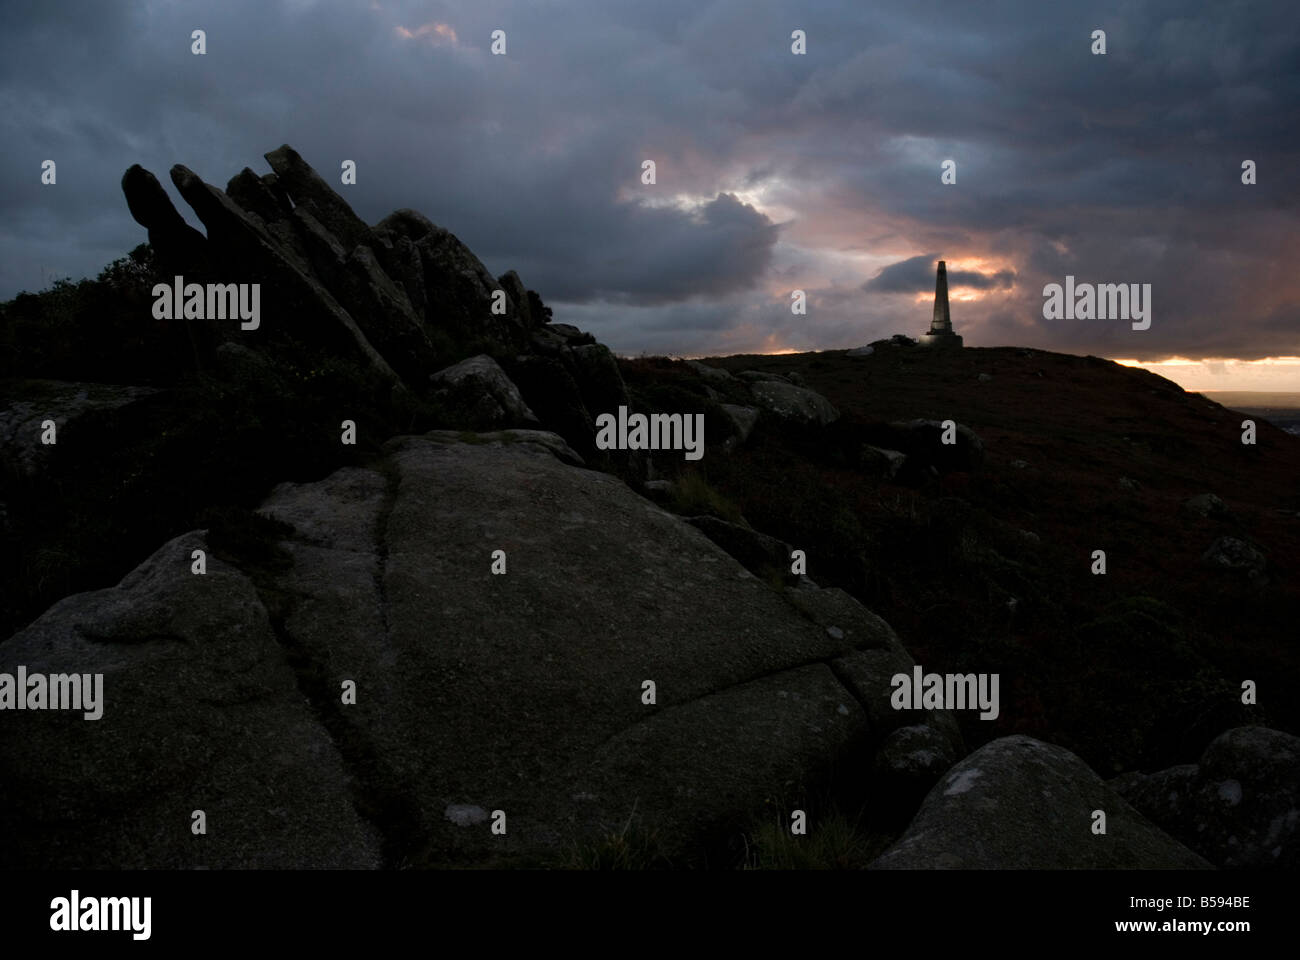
(775, 171)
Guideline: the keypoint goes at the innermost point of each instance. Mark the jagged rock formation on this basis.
(399, 300)
(178, 245)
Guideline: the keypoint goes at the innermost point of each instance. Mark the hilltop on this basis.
(1079, 454)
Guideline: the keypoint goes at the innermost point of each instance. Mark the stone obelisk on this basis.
(941, 334)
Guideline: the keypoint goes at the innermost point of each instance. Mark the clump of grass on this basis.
(629, 847)
(833, 842)
(693, 495)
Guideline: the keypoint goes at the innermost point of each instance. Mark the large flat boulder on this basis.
(513, 681)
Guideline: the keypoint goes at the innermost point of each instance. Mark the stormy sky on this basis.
(775, 171)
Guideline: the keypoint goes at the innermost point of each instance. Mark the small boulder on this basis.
(1235, 555)
(1020, 804)
(742, 420)
(922, 441)
(791, 403)
(1206, 506)
(1239, 807)
(708, 372)
(480, 388)
(908, 763)
(881, 463)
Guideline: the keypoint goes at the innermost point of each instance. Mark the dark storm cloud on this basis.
(774, 171)
(917, 275)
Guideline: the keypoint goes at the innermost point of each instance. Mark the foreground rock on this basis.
(1020, 804)
(201, 711)
(475, 691)
(1239, 807)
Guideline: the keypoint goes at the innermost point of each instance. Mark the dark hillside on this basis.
(990, 570)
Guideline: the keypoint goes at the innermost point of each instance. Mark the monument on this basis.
(941, 334)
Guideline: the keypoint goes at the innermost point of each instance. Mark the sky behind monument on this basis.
(775, 171)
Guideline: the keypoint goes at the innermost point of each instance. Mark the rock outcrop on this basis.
(395, 301)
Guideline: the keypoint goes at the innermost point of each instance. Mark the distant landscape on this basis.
(1282, 409)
